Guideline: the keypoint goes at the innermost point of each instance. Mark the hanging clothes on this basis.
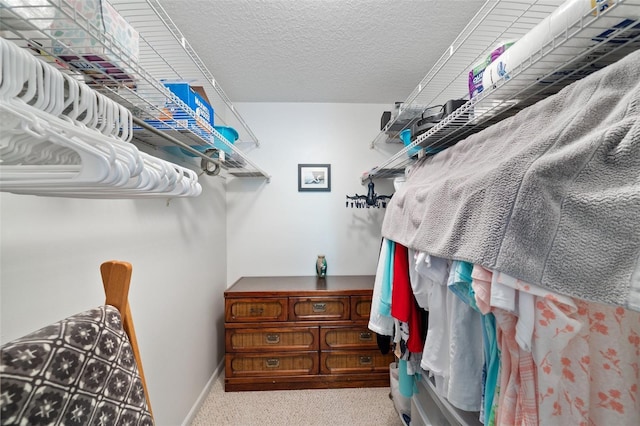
(403, 303)
(465, 351)
(380, 320)
(514, 400)
(481, 285)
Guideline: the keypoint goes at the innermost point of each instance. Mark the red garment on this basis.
(401, 293)
(404, 306)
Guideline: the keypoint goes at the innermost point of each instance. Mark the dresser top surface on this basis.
(353, 284)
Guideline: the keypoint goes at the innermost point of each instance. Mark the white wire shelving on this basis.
(134, 79)
(570, 55)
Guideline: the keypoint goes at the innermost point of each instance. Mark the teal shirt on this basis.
(387, 281)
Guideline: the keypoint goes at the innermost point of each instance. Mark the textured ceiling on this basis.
(364, 51)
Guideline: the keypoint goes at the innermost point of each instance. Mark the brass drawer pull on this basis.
(366, 360)
(319, 307)
(273, 339)
(366, 336)
(273, 363)
(256, 311)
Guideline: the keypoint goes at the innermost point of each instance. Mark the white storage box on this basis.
(93, 55)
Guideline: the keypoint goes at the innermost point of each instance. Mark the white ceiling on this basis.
(344, 51)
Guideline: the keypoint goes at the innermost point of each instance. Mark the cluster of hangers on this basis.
(59, 137)
(367, 201)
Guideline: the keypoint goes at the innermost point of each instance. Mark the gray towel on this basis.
(550, 195)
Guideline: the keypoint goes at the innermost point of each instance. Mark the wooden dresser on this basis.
(301, 333)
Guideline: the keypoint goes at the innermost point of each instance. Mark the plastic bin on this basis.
(229, 133)
(405, 135)
(401, 403)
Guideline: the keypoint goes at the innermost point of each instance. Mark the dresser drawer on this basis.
(319, 308)
(273, 364)
(271, 339)
(358, 337)
(360, 307)
(347, 362)
(255, 309)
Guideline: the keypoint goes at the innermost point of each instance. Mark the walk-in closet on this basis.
(312, 212)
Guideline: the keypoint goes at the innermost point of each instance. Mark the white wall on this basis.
(51, 250)
(275, 230)
(184, 254)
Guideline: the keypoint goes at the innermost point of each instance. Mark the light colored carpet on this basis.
(321, 407)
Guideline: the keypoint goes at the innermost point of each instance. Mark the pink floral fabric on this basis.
(587, 356)
(586, 360)
(588, 364)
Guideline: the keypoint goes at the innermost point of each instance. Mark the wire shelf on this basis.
(570, 55)
(134, 76)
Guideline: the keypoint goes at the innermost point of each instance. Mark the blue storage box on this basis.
(194, 100)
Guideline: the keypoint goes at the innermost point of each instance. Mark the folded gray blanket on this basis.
(550, 195)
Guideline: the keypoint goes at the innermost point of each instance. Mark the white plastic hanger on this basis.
(61, 138)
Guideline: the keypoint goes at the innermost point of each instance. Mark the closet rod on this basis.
(175, 141)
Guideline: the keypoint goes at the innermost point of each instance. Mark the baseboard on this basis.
(203, 395)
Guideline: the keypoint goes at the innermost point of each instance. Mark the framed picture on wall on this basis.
(314, 177)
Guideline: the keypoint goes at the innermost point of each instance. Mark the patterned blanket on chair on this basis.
(79, 371)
